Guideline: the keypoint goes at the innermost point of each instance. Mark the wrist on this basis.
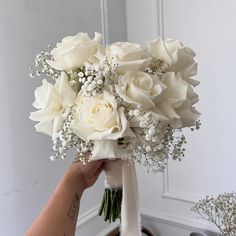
(74, 178)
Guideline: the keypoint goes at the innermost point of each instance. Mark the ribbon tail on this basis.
(130, 214)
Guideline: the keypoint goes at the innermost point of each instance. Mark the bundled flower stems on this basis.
(112, 198)
(122, 102)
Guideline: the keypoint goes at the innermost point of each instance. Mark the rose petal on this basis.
(123, 67)
(172, 45)
(139, 97)
(188, 114)
(41, 95)
(57, 123)
(170, 112)
(65, 91)
(183, 62)
(46, 97)
(43, 115)
(134, 55)
(158, 114)
(158, 50)
(191, 81)
(45, 127)
(176, 91)
(82, 131)
(109, 134)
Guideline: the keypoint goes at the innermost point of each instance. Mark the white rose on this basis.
(101, 120)
(51, 100)
(74, 51)
(178, 101)
(129, 56)
(137, 87)
(176, 56)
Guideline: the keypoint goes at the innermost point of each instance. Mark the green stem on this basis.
(111, 204)
(102, 204)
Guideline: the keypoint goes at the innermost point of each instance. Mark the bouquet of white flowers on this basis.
(122, 102)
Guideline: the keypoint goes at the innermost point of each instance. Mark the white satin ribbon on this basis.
(113, 173)
(130, 214)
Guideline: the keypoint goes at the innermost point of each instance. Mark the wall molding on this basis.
(179, 196)
(113, 19)
(159, 18)
(87, 216)
(104, 21)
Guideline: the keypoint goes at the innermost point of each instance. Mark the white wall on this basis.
(27, 176)
(209, 167)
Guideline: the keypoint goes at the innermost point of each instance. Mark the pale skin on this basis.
(59, 216)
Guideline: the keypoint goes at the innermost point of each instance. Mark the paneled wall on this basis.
(205, 26)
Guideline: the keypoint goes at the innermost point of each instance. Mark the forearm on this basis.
(59, 217)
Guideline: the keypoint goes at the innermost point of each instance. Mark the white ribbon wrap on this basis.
(122, 173)
(113, 173)
(130, 215)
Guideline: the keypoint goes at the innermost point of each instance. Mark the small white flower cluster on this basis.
(91, 85)
(66, 139)
(220, 210)
(94, 78)
(135, 112)
(157, 141)
(42, 67)
(158, 67)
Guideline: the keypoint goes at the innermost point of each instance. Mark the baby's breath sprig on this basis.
(66, 139)
(220, 210)
(157, 142)
(42, 67)
(95, 77)
(92, 82)
(157, 67)
(156, 149)
(197, 125)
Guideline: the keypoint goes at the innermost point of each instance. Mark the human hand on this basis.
(88, 173)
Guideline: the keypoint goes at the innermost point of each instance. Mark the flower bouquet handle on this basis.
(120, 200)
(112, 198)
